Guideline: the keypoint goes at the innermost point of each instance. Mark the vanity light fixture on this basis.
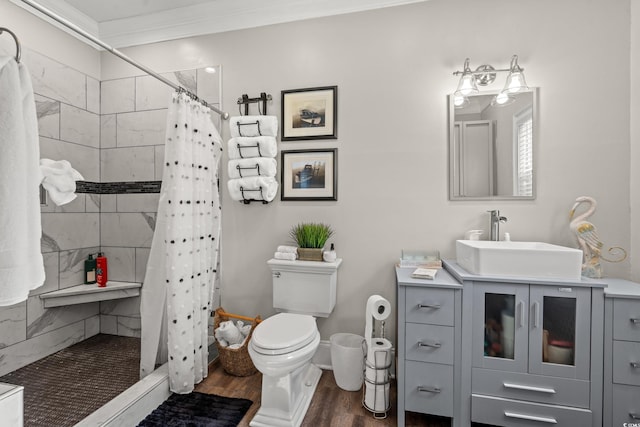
(468, 81)
(485, 75)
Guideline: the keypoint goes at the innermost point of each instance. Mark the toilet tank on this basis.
(304, 287)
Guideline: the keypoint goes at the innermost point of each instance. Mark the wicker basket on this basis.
(235, 361)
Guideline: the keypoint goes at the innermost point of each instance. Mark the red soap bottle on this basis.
(101, 270)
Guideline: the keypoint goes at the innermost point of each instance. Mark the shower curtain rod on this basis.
(120, 55)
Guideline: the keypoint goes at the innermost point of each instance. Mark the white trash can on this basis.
(347, 360)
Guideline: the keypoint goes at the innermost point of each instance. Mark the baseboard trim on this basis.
(322, 358)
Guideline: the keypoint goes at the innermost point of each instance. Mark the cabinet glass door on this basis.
(500, 327)
(560, 335)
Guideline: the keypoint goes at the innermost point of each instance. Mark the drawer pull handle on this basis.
(635, 365)
(635, 321)
(429, 344)
(529, 388)
(547, 420)
(429, 389)
(276, 274)
(434, 305)
(634, 416)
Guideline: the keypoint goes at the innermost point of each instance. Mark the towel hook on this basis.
(15, 38)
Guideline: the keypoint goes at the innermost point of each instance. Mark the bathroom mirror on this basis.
(492, 146)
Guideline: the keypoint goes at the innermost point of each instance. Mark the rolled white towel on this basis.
(244, 329)
(290, 249)
(230, 333)
(59, 179)
(259, 146)
(253, 126)
(251, 186)
(254, 166)
(217, 333)
(285, 256)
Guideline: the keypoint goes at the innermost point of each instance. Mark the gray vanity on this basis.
(622, 353)
(510, 351)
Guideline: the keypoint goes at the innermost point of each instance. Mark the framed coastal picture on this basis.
(310, 113)
(309, 174)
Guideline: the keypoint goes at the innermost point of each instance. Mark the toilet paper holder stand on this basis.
(377, 359)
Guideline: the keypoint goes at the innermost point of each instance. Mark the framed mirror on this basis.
(492, 146)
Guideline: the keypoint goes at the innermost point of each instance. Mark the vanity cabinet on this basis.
(429, 345)
(531, 359)
(622, 353)
(524, 351)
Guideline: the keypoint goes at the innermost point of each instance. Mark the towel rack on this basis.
(15, 38)
(245, 100)
(246, 200)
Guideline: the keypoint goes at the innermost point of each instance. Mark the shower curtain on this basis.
(178, 286)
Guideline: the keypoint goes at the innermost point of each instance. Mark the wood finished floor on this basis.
(330, 407)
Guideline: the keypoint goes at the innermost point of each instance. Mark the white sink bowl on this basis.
(519, 259)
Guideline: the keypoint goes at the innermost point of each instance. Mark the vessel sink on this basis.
(519, 259)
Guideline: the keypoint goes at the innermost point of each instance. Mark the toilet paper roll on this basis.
(379, 353)
(376, 376)
(376, 397)
(378, 307)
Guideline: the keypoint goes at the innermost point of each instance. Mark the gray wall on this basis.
(393, 70)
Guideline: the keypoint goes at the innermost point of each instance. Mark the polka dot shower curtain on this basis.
(178, 287)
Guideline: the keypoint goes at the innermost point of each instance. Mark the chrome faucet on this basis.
(496, 219)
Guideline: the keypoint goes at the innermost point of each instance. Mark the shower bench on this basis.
(82, 294)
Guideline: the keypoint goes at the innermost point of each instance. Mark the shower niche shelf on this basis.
(82, 294)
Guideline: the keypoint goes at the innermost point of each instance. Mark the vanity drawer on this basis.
(626, 405)
(433, 306)
(626, 362)
(512, 413)
(626, 319)
(533, 388)
(429, 343)
(429, 388)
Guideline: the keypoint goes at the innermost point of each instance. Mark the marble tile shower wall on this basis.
(132, 129)
(68, 107)
(109, 131)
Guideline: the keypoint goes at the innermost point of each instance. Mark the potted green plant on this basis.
(310, 238)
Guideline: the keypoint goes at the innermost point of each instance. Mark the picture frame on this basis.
(309, 174)
(310, 113)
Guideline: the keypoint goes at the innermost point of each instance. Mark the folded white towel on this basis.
(285, 256)
(229, 332)
(59, 179)
(253, 188)
(253, 126)
(254, 166)
(290, 249)
(21, 263)
(259, 146)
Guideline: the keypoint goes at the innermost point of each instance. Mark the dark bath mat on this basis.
(197, 410)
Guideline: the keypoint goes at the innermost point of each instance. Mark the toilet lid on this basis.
(284, 333)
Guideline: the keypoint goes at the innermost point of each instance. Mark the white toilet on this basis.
(282, 346)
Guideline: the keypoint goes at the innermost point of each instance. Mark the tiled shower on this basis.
(110, 131)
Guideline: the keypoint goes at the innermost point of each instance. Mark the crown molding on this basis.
(206, 18)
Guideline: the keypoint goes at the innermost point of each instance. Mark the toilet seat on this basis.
(284, 333)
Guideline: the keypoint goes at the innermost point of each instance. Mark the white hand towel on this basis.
(259, 146)
(285, 256)
(290, 249)
(254, 166)
(251, 187)
(230, 332)
(59, 179)
(21, 264)
(253, 126)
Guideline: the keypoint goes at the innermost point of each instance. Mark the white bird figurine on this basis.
(589, 240)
